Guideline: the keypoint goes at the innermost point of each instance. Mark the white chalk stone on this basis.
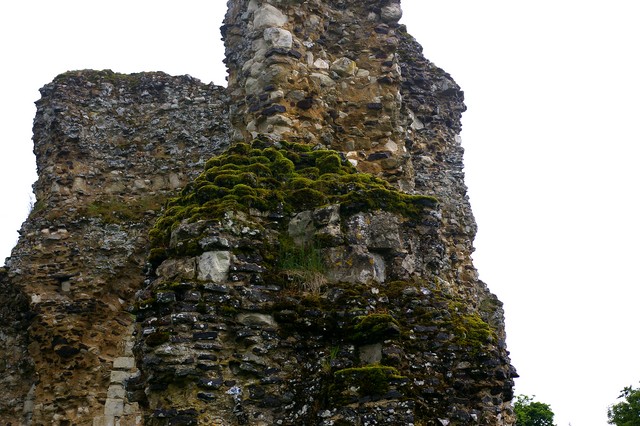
(119, 377)
(214, 265)
(344, 66)
(278, 37)
(391, 13)
(268, 16)
(124, 363)
(114, 407)
(321, 64)
(116, 392)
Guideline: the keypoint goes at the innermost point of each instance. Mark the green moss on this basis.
(241, 190)
(369, 380)
(374, 328)
(283, 168)
(260, 169)
(444, 312)
(394, 289)
(283, 177)
(120, 210)
(329, 163)
(301, 182)
(469, 328)
(207, 192)
(308, 198)
(212, 162)
(240, 149)
(227, 180)
(144, 304)
(227, 310)
(156, 256)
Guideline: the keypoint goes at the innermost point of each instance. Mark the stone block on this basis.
(124, 363)
(301, 228)
(113, 407)
(172, 268)
(391, 13)
(256, 319)
(128, 347)
(214, 265)
(116, 392)
(132, 408)
(355, 265)
(370, 354)
(344, 67)
(322, 79)
(119, 376)
(268, 16)
(278, 37)
(104, 421)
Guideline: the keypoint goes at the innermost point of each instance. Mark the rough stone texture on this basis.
(110, 149)
(357, 327)
(394, 329)
(339, 84)
(355, 81)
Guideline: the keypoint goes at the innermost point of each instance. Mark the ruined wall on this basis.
(110, 148)
(317, 272)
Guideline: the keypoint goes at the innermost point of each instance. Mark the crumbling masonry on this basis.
(294, 249)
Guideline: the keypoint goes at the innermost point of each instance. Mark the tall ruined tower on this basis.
(294, 249)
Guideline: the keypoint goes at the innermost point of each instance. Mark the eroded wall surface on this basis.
(317, 272)
(110, 149)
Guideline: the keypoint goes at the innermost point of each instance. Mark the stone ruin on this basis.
(294, 249)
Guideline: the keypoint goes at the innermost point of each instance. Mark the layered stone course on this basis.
(118, 410)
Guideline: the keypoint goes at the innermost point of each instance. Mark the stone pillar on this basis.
(320, 72)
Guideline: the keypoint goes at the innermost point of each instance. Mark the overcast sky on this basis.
(551, 138)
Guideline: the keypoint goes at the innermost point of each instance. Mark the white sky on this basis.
(551, 139)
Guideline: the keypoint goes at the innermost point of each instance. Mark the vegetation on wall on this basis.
(118, 210)
(280, 178)
(302, 266)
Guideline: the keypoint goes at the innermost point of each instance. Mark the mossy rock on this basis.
(278, 177)
(469, 328)
(331, 163)
(119, 210)
(157, 338)
(375, 328)
(371, 380)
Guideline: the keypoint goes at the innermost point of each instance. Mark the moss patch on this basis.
(469, 328)
(374, 328)
(371, 380)
(282, 177)
(117, 210)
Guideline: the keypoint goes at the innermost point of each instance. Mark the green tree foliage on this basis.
(627, 412)
(532, 413)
